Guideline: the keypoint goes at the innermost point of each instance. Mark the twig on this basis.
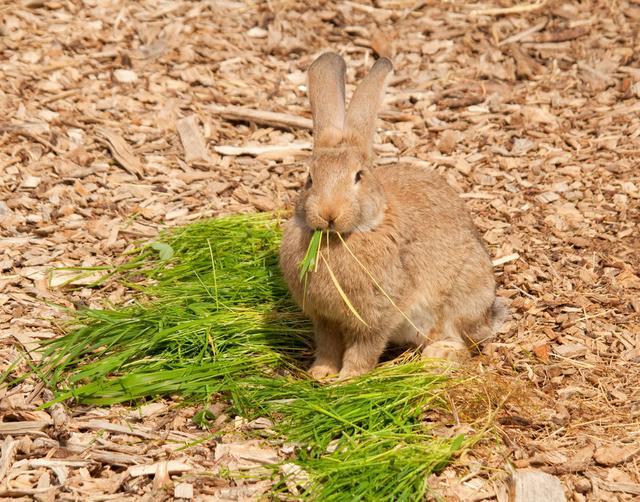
(274, 119)
(141, 432)
(23, 427)
(283, 150)
(171, 466)
(562, 36)
(100, 455)
(516, 9)
(524, 34)
(366, 8)
(60, 95)
(285, 120)
(17, 130)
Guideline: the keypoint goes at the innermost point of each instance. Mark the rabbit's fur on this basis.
(405, 224)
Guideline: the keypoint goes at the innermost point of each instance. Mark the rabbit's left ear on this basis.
(360, 121)
(326, 95)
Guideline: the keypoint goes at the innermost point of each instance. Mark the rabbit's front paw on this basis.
(451, 350)
(349, 373)
(323, 371)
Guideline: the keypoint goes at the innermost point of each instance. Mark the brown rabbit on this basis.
(406, 226)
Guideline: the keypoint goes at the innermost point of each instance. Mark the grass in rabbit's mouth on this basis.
(312, 259)
(211, 319)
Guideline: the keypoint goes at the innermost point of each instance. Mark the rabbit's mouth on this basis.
(332, 227)
(343, 227)
(327, 219)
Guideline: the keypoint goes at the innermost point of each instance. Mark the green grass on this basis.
(212, 319)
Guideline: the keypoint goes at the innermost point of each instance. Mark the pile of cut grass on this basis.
(212, 317)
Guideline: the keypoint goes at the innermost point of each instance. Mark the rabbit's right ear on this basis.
(360, 123)
(326, 95)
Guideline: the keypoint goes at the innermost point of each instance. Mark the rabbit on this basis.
(406, 226)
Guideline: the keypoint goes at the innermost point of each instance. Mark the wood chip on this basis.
(631, 488)
(193, 142)
(295, 477)
(109, 426)
(571, 350)
(616, 454)
(161, 479)
(148, 410)
(548, 197)
(9, 447)
(183, 491)
(535, 486)
(247, 455)
(382, 44)
(516, 9)
(505, 259)
(30, 182)
(121, 151)
(14, 428)
(171, 466)
(125, 76)
(54, 462)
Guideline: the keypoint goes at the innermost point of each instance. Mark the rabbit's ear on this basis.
(360, 123)
(326, 95)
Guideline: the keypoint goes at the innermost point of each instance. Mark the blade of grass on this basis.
(341, 292)
(376, 283)
(310, 259)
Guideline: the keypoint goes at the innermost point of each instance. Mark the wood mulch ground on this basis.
(119, 118)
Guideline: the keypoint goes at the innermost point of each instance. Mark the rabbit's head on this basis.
(342, 193)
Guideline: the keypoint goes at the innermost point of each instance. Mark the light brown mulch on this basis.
(119, 118)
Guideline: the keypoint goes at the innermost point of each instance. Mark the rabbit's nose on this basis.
(328, 215)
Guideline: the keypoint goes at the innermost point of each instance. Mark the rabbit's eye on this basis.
(359, 175)
(309, 182)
